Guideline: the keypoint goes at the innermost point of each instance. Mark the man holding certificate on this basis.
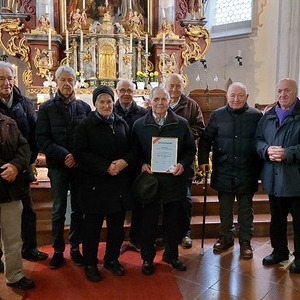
(165, 143)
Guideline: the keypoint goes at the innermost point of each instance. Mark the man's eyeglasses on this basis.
(123, 91)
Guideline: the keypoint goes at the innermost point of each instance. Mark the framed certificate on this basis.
(164, 154)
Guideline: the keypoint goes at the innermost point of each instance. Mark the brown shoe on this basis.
(222, 245)
(246, 251)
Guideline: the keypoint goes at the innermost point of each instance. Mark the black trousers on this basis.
(280, 208)
(92, 225)
(150, 224)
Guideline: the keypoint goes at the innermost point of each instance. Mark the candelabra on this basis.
(162, 58)
(239, 60)
(68, 52)
(146, 55)
(49, 83)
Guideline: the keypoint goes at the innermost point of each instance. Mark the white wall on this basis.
(259, 53)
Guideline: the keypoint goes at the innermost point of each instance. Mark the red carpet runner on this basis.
(69, 282)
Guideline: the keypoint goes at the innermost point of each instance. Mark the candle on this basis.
(67, 40)
(164, 43)
(49, 38)
(130, 44)
(163, 13)
(146, 43)
(81, 40)
(130, 5)
(46, 9)
(83, 4)
(239, 53)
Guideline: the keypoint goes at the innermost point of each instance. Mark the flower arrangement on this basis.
(141, 76)
(153, 76)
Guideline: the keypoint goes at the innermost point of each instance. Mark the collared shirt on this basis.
(126, 108)
(159, 121)
(174, 104)
(9, 102)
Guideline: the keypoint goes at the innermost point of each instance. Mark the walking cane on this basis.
(204, 209)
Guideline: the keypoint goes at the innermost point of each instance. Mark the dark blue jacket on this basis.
(281, 179)
(56, 126)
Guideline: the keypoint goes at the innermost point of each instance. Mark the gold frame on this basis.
(149, 23)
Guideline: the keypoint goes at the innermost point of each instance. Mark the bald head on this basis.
(287, 91)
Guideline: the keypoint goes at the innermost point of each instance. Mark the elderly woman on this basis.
(102, 144)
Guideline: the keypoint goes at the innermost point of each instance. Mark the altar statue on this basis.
(136, 24)
(196, 6)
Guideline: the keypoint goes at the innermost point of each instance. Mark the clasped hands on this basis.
(276, 153)
(116, 167)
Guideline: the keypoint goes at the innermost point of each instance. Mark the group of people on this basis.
(103, 156)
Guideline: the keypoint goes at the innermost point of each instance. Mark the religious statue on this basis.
(10, 4)
(43, 24)
(77, 19)
(135, 6)
(168, 28)
(136, 24)
(196, 6)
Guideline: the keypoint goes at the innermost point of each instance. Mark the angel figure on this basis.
(77, 19)
(136, 24)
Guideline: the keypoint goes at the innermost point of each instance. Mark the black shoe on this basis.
(57, 260)
(274, 259)
(92, 273)
(246, 251)
(295, 266)
(1, 266)
(77, 257)
(177, 264)
(34, 255)
(115, 267)
(147, 268)
(165, 257)
(23, 284)
(222, 245)
(187, 242)
(160, 243)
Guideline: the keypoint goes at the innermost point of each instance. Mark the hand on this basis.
(117, 166)
(276, 153)
(70, 161)
(10, 172)
(178, 170)
(147, 168)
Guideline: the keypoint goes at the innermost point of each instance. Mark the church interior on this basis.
(211, 43)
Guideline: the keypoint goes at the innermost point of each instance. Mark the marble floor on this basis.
(226, 276)
(219, 276)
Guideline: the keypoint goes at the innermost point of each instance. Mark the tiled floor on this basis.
(220, 276)
(225, 276)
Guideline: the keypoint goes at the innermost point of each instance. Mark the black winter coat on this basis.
(230, 134)
(135, 112)
(23, 112)
(56, 126)
(171, 188)
(97, 145)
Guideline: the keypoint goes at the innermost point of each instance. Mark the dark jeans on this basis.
(280, 208)
(92, 229)
(149, 228)
(28, 229)
(245, 215)
(63, 180)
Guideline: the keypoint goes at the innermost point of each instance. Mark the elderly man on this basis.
(14, 158)
(126, 108)
(190, 110)
(278, 144)
(161, 122)
(20, 108)
(57, 121)
(236, 166)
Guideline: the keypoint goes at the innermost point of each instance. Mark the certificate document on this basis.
(164, 154)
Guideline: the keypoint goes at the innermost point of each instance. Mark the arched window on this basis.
(229, 18)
